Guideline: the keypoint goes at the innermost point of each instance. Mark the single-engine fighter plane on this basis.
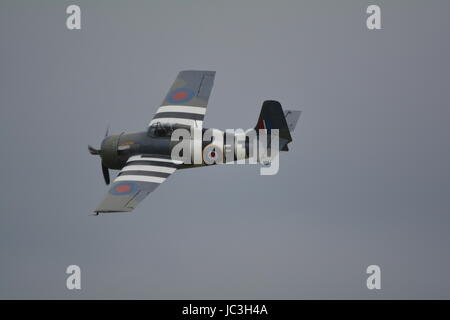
(144, 158)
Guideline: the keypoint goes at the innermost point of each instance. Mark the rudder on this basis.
(273, 117)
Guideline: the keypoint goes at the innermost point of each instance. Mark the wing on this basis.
(187, 99)
(135, 181)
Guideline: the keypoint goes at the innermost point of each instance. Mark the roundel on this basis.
(212, 154)
(180, 95)
(123, 188)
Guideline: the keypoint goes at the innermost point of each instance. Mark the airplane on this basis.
(144, 158)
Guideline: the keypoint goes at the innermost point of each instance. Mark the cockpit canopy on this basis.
(160, 130)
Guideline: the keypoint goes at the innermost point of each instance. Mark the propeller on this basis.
(97, 152)
(105, 174)
(93, 151)
(107, 130)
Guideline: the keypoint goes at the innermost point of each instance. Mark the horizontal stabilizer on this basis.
(292, 118)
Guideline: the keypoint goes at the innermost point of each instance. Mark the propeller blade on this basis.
(93, 151)
(107, 131)
(105, 174)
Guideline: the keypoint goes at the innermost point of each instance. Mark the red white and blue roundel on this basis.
(264, 124)
(180, 95)
(212, 154)
(123, 188)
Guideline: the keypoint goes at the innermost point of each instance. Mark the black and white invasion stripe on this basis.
(178, 114)
(147, 169)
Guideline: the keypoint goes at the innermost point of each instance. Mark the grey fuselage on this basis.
(116, 149)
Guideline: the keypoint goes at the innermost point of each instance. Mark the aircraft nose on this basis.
(106, 146)
(108, 151)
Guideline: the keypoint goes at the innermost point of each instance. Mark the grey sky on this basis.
(367, 180)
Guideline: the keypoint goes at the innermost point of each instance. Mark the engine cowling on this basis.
(109, 152)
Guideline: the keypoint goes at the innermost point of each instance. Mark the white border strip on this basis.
(140, 178)
(149, 168)
(187, 109)
(140, 157)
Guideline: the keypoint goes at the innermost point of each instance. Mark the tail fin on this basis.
(273, 117)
